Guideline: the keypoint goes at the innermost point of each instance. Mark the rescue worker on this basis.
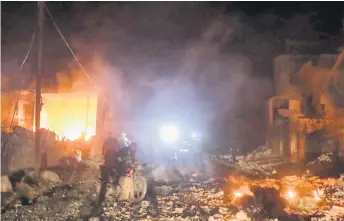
(123, 141)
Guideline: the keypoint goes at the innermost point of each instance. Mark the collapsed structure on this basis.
(305, 116)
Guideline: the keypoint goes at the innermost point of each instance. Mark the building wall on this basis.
(286, 68)
(25, 113)
(18, 149)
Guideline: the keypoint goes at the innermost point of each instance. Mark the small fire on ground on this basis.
(298, 194)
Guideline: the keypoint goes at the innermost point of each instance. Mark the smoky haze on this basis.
(184, 60)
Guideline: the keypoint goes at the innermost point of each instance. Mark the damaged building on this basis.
(67, 113)
(305, 115)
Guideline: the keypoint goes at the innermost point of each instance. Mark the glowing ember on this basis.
(237, 194)
(70, 115)
(291, 194)
(316, 195)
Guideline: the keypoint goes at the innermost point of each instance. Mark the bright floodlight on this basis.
(195, 136)
(169, 133)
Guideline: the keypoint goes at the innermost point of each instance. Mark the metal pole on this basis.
(38, 87)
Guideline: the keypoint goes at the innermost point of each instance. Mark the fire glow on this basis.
(238, 194)
(242, 191)
(70, 115)
(290, 194)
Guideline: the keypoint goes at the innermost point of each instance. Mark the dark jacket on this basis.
(110, 150)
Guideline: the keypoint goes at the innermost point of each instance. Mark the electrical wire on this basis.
(76, 59)
(20, 92)
(23, 81)
(69, 47)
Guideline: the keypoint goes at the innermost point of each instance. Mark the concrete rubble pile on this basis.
(75, 201)
(258, 163)
(308, 196)
(262, 151)
(328, 164)
(265, 174)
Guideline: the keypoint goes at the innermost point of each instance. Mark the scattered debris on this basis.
(263, 199)
(50, 176)
(241, 216)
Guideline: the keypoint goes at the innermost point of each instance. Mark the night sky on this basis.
(18, 20)
(327, 14)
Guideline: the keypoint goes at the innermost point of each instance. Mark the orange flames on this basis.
(70, 115)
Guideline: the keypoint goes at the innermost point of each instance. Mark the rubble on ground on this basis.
(164, 173)
(327, 164)
(258, 163)
(50, 176)
(262, 151)
(305, 196)
(75, 195)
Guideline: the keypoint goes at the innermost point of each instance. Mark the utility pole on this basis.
(38, 151)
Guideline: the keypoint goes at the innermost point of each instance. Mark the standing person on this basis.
(110, 149)
(110, 152)
(123, 141)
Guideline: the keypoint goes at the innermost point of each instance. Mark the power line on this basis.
(23, 81)
(21, 89)
(105, 98)
(69, 47)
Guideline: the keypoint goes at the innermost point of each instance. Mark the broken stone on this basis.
(223, 210)
(85, 210)
(179, 210)
(7, 198)
(145, 203)
(6, 185)
(219, 194)
(72, 194)
(338, 210)
(211, 218)
(25, 190)
(241, 215)
(50, 176)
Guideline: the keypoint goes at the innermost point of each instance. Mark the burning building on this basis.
(71, 110)
(70, 115)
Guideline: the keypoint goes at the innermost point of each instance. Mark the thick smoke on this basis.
(182, 61)
(158, 64)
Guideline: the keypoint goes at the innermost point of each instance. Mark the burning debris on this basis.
(261, 184)
(61, 197)
(291, 195)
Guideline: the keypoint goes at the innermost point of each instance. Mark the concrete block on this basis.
(6, 185)
(50, 176)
